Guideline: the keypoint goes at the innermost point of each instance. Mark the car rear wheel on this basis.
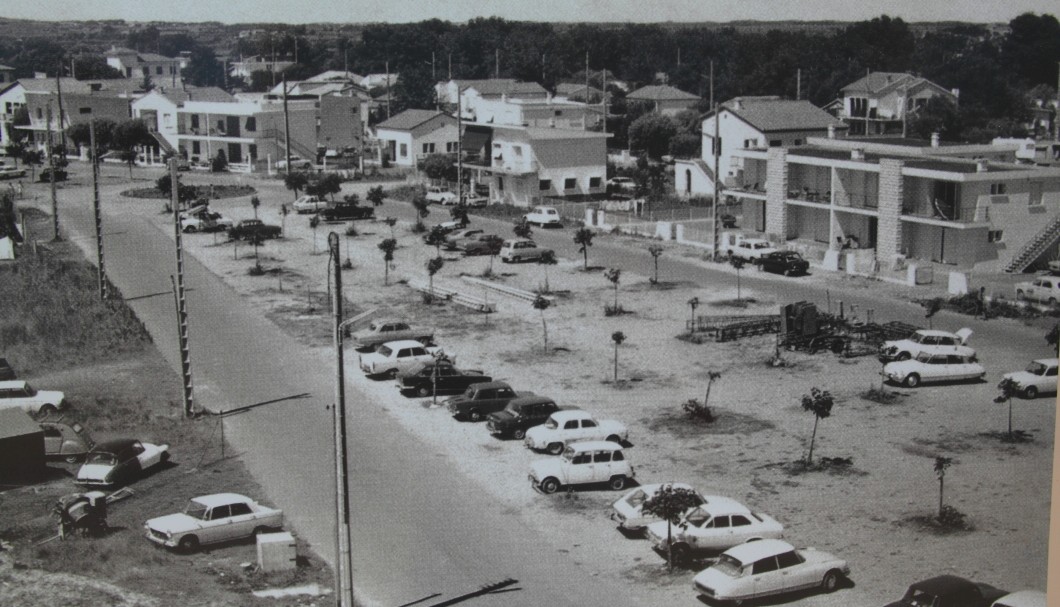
(72, 459)
(912, 380)
(423, 391)
(46, 410)
(391, 374)
(189, 229)
(549, 485)
(830, 581)
(680, 552)
(519, 434)
(617, 483)
(1020, 295)
(474, 415)
(188, 543)
(554, 448)
(1030, 392)
(614, 439)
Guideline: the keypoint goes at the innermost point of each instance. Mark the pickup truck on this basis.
(381, 331)
(481, 400)
(250, 227)
(396, 357)
(209, 519)
(342, 211)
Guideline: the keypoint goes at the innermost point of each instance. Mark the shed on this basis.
(21, 448)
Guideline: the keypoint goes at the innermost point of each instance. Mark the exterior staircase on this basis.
(297, 149)
(1036, 246)
(163, 143)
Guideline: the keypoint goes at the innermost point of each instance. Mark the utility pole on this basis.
(343, 565)
(678, 56)
(59, 94)
(286, 130)
(450, 66)
(388, 89)
(798, 84)
(585, 123)
(434, 77)
(51, 170)
(717, 183)
(178, 291)
(711, 83)
(101, 274)
(603, 96)
(1056, 112)
(459, 149)
(497, 63)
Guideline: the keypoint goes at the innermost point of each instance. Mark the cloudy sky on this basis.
(296, 11)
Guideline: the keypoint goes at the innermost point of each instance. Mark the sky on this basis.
(362, 11)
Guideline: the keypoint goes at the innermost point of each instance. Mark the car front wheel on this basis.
(47, 410)
(188, 543)
(554, 448)
(903, 356)
(423, 391)
(912, 380)
(1030, 392)
(617, 483)
(519, 434)
(474, 415)
(549, 485)
(830, 581)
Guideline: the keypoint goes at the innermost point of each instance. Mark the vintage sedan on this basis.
(583, 463)
(926, 341)
(17, 393)
(439, 377)
(120, 461)
(565, 427)
(480, 400)
(481, 244)
(717, 525)
(308, 203)
(380, 331)
(788, 263)
(767, 568)
(1038, 378)
(1022, 598)
(948, 591)
(544, 217)
(452, 238)
(521, 249)
(396, 357)
(210, 519)
(934, 368)
(67, 441)
(628, 512)
(253, 228)
(520, 415)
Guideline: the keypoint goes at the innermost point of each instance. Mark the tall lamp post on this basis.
(343, 568)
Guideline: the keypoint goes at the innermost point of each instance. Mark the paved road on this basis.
(420, 526)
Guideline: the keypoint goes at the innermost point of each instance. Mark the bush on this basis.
(698, 412)
(418, 228)
(951, 518)
(610, 310)
(402, 192)
(351, 230)
(219, 162)
(256, 270)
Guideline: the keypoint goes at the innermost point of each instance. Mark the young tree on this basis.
(819, 402)
(284, 212)
(255, 202)
(583, 237)
(541, 304)
(459, 213)
(438, 167)
(652, 133)
(656, 251)
(1007, 389)
(314, 221)
(548, 258)
(219, 163)
(328, 185)
(436, 238)
(931, 308)
(375, 195)
(693, 303)
(387, 247)
(295, 181)
(941, 464)
(670, 504)
(433, 266)
(613, 275)
(712, 376)
(422, 206)
(618, 337)
(737, 263)
(1053, 336)
(33, 159)
(15, 149)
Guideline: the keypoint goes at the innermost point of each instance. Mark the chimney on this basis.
(935, 139)
(737, 104)
(981, 166)
(831, 131)
(956, 93)
(857, 154)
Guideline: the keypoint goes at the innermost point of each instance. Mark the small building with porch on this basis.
(415, 134)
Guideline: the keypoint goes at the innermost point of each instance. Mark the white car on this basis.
(625, 184)
(204, 221)
(717, 525)
(933, 368)
(1022, 598)
(214, 518)
(476, 200)
(565, 427)
(1045, 289)
(309, 204)
(927, 341)
(1038, 378)
(296, 163)
(767, 568)
(521, 249)
(544, 217)
(119, 461)
(396, 357)
(627, 510)
(20, 394)
(440, 195)
(583, 463)
(10, 172)
(751, 249)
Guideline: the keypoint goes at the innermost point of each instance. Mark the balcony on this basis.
(960, 218)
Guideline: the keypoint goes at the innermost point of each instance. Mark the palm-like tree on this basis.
(541, 304)
(737, 263)
(712, 376)
(656, 251)
(941, 464)
(387, 247)
(819, 402)
(693, 303)
(548, 258)
(14, 150)
(618, 337)
(613, 275)
(390, 222)
(436, 237)
(1007, 389)
(931, 308)
(375, 195)
(583, 237)
(255, 202)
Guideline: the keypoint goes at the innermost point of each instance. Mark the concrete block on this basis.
(958, 284)
(590, 217)
(679, 232)
(851, 262)
(276, 552)
(664, 230)
(831, 260)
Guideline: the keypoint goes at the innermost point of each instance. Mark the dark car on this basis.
(440, 377)
(787, 263)
(727, 221)
(46, 175)
(7, 372)
(482, 244)
(520, 415)
(120, 461)
(343, 210)
(481, 400)
(948, 591)
(248, 228)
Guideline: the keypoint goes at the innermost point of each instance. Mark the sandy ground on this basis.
(863, 515)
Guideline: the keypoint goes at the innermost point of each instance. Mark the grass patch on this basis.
(676, 422)
(499, 211)
(881, 396)
(948, 522)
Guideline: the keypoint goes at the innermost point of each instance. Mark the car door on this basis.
(214, 528)
(581, 469)
(571, 430)
(242, 520)
(766, 577)
(500, 398)
(589, 429)
(602, 466)
(962, 368)
(792, 576)
(740, 528)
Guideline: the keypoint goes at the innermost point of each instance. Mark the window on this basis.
(798, 142)
(500, 184)
(252, 151)
(570, 183)
(998, 189)
(588, 423)
(146, 71)
(172, 69)
(602, 457)
(40, 113)
(195, 147)
(544, 185)
(956, 359)
(946, 341)
(571, 425)
(947, 200)
(740, 521)
(721, 522)
(252, 123)
(428, 148)
(240, 509)
(618, 457)
(594, 182)
(788, 559)
(775, 143)
(518, 149)
(158, 71)
(765, 565)
(404, 150)
(84, 110)
(582, 458)
(450, 147)
(220, 512)
(995, 236)
(194, 121)
(52, 432)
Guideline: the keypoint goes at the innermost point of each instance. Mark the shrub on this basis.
(698, 412)
(613, 310)
(951, 518)
(418, 228)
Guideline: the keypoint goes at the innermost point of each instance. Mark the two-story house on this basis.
(879, 103)
(82, 100)
(257, 63)
(548, 112)
(158, 109)
(470, 92)
(137, 65)
(413, 135)
(12, 99)
(664, 98)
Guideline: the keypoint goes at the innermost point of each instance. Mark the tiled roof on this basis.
(47, 85)
(331, 75)
(877, 81)
(784, 115)
(206, 93)
(502, 86)
(409, 119)
(661, 92)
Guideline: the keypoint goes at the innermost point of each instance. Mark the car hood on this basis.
(658, 530)
(372, 357)
(1022, 377)
(537, 433)
(545, 467)
(501, 417)
(52, 396)
(173, 523)
(903, 366)
(94, 472)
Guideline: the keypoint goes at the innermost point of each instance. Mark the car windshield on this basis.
(1036, 368)
(551, 424)
(385, 351)
(919, 338)
(568, 454)
(637, 498)
(196, 510)
(101, 457)
(760, 245)
(729, 566)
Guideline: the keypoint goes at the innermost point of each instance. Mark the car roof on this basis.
(942, 584)
(724, 505)
(115, 444)
(529, 400)
(935, 333)
(220, 499)
(594, 445)
(15, 383)
(752, 551)
(562, 416)
(490, 385)
(515, 240)
(1022, 598)
(387, 321)
(1051, 362)
(403, 343)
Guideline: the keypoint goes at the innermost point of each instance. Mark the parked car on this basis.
(948, 591)
(394, 357)
(787, 263)
(481, 244)
(440, 377)
(717, 525)
(46, 175)
(249, 228)
(341, 211)
(565, 427)
(18, 393)
(621, 184)
(309, 204)
(727, 220)
(627, 510)
(439, 195)
(452, 238)
(7, 372)
(67, 441)
(203, 220)
(933, 368)
(476, 200)
(120, 461)
(751, 250)
(381, 331)
(544, 217)
(583, 463)
(209, 519)
(1038, 378)
(520, 415)
(768, 568)
(926, 341)
(1022, 598)
(1044, 289)
(480, 400)
(296, 163)
(521, 249)
(10, 172)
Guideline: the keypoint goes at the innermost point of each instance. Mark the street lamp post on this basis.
(343, 568)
